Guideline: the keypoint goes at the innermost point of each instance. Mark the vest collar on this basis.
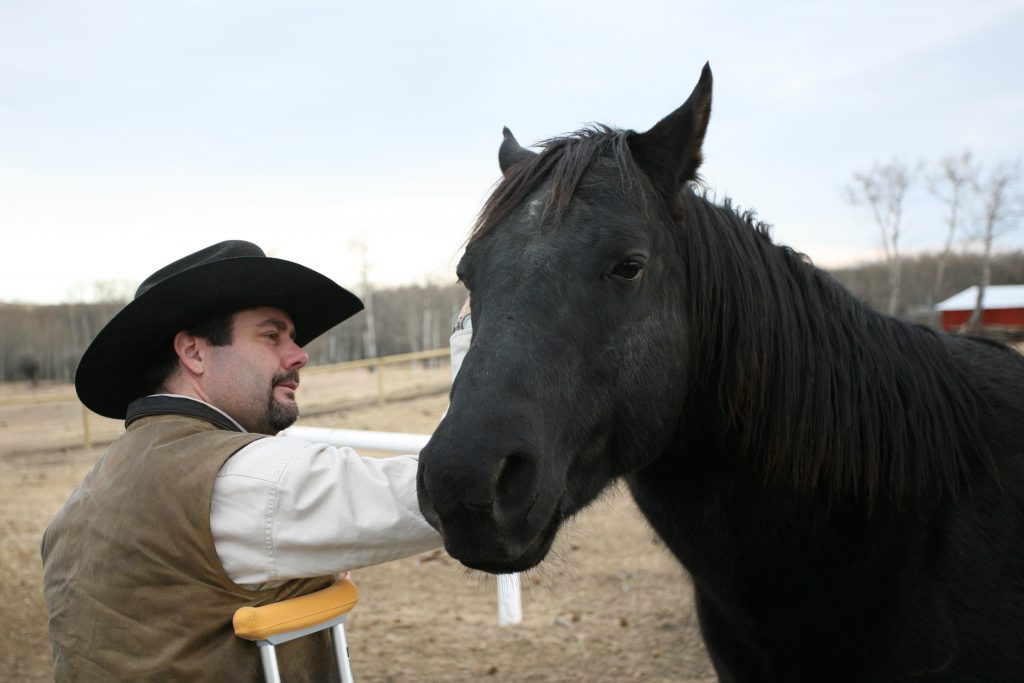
(167, 404)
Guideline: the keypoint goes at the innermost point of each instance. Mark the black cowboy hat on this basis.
(227, 277)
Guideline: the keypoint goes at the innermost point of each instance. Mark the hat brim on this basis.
(111, 372)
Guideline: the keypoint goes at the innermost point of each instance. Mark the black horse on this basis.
(845, 489)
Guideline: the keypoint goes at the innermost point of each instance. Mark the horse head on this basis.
(578, 366)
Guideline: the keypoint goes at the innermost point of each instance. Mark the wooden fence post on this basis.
(85, 427)
(380, 382)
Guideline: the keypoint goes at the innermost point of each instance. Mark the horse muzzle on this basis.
(494, 507)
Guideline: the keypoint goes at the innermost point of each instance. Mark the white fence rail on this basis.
(392, 442)
(510, 610)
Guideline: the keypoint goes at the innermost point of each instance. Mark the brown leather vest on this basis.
(132, 581)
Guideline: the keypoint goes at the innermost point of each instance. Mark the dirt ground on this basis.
(609, 604)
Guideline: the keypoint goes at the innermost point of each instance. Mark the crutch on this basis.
(280, 622)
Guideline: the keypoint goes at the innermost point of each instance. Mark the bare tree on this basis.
(360, 246)
(114, 291)
(952, 184)
(883, 189)
(1002, 206)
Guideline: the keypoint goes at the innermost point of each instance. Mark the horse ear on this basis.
(670, 152)
(511, 152)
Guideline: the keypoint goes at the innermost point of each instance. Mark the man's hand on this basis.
(463, 321)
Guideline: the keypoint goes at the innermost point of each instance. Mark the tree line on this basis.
(871, 282)
(45, 342)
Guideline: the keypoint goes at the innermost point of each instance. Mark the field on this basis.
(609, 604)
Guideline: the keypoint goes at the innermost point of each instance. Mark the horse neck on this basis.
(820, 389)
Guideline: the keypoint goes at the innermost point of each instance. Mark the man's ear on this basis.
(191, 352)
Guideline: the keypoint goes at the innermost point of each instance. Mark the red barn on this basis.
(1003, 306)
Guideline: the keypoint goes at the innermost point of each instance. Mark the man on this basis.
(198, 509)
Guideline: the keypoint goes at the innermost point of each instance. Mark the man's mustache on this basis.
(291, 376)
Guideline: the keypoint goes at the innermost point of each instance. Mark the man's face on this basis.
(254, 379)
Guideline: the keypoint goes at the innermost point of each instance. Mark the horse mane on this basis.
(882, 406)
(824, 392)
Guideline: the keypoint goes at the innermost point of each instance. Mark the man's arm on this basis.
(285, 508)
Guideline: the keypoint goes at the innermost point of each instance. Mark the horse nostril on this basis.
(514, 487)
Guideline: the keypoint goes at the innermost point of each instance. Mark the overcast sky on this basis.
(135, 132)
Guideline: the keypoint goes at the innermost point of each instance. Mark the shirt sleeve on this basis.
(459, 345)
(284, 508)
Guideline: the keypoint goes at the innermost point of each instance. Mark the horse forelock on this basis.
(561, 164)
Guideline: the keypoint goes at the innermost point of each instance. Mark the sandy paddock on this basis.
(609, 604)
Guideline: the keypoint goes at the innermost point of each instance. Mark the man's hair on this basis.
(219, 331)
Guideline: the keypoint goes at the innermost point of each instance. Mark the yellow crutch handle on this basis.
(259, 623)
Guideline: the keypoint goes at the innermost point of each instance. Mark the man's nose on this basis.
(296, 358)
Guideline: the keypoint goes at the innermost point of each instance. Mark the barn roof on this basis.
(996, 296)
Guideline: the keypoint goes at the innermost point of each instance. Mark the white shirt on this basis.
(284, 508)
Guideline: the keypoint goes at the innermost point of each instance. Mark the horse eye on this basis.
(629, 269)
